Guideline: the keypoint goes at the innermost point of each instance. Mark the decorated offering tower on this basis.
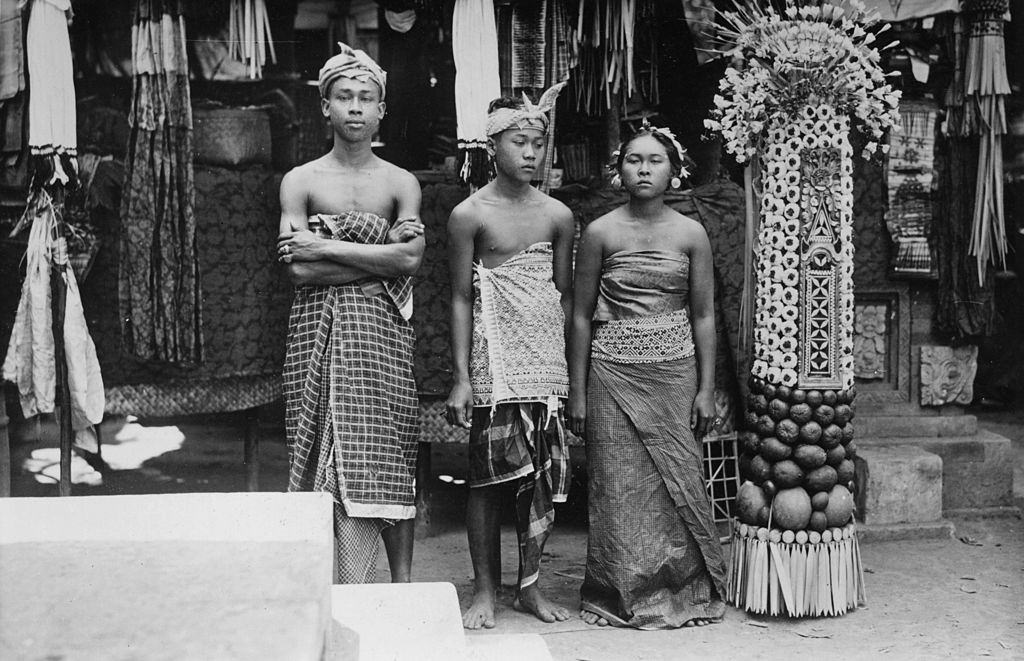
(797, 81)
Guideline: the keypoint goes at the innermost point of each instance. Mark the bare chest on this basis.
(362, 191)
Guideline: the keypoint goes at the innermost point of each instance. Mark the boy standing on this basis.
(511, 270)
(351, 410)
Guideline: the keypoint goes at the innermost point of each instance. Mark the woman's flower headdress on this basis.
(646, 127)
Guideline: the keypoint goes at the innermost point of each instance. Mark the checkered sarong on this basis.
(350, 399)
(522, 443)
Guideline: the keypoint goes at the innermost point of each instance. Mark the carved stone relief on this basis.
(947, 374)
(870, 341)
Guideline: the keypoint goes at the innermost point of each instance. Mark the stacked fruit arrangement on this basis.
(797, 458)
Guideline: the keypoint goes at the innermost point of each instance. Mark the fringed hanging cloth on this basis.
(30, 361)
(159, 286)
(976, 107)
(477, 82)
(51, 105)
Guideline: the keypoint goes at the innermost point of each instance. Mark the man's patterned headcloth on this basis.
(351, 63)
(530, 116)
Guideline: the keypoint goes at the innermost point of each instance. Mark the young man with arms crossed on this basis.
(511, 268)
(351, 408)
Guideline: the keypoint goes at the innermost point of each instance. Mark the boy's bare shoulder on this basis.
(466, 213)
(399, 176)
(556, 209)
(301, 175)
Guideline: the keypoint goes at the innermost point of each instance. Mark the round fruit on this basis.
(791, 509)
(840, 506)
(759, 404)
(787, 431)
(751, 441)
(843, 397)
(824, 415)
(774, 450)
(744, 464)
(831, 436)
(783, 393)
(822, 478)
(760, 469)
(829, 397)
(787, 474)
(817, 523)
(762, 516)
(819, 501)
(814, 398)
(765, 425)
(835, 456)
(768, 390)
(843, 414)
(769, 488)
(845, 471)
(809, 457)
(798, 396)
(749, 500)
(847, 432)
(810, 432)
(851, 450)
(754, 383)
(778, 409)
(750, 421)
(800, 413)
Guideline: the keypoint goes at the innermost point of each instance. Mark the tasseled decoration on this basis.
(977, 107)
(477, 83)
(812, 575)
(52, 129)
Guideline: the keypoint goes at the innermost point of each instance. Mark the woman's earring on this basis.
(676, 182)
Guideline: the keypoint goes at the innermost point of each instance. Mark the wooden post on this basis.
(58, 304)
(5, 448)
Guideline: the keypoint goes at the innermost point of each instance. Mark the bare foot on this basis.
(701, 622)
(481, 612)
(530, 600)
(593, 618)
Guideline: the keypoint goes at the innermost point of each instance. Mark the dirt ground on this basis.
(961, 597)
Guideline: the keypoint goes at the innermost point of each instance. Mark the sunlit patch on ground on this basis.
(128, 449)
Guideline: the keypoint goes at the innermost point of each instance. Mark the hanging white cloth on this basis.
(30, 362)
(477, 82)
(51, 101)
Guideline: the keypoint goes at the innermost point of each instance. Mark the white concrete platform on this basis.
(416, 622)
(183, 576)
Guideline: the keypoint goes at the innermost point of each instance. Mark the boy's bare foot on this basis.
(530, 600)
(593, 618)
(481, 612)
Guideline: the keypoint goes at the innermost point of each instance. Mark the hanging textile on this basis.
(909, 173)
(30, 360)
(529, 39)
(477, 82)
(51, 105)
(12, 59)
(159, 286)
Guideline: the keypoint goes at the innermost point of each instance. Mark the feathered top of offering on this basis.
(810, 53)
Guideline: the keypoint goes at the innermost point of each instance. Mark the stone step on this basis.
(899, 484)
(175, 576)
(507, 647)
(396, 621)
(889, 426)
(977, 469)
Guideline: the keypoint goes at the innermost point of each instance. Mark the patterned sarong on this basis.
(518, 352)
(351, 415)
(524, 444)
